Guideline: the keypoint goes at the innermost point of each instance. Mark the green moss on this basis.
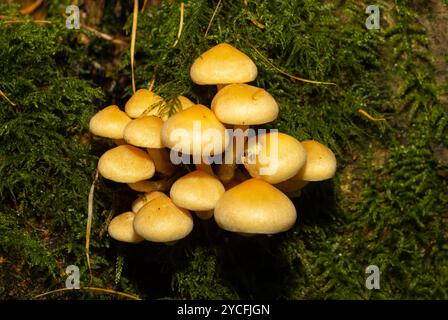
(386, 206)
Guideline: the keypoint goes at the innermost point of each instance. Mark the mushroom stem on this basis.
(205, 167)
(150, 186)
(220, 86)
(226, 171)
(204, 215)
(161, 159)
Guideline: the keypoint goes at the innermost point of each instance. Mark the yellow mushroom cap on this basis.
(255, 206)
(197, 191)
(320, 163)
(144, 132)
(126, 164)
(242, 104)
(274, 157)
(144, 199)
(143, 100)
(160, 220)
(121, 228)
(109, 123)
(195, 130)
(185, 103)
(223, 64)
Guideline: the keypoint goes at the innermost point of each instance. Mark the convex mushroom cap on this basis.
(320, 163)
(223, 64)
(274, 157)
(144, 132)
(126, 164)
(144, 199)
(109, 123)
(243, 104)
(197, 191)
(160, 220)
(195, 130)
(185, 103)
(144, 101)
(121, 228)
(255, 207)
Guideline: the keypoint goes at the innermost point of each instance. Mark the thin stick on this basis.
(103, 35)
(287, 74)
(145, 3)
(89, 221)
(91, 289)
(31, 7)
(181, 23)
(7, 99)
(368, 116)
(133, 39)
(22, 21)
(212, 18)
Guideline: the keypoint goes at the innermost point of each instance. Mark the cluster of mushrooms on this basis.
(238, 194)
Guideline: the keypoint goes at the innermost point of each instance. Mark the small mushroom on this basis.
(274, 157)
(121, 228)
(255, 207)
(126, 164)
(144, 132)
(144, 199)
(243, 104)
(197, 191)
(195, 131)
(223, 64)
(144, 101)
(109, 123)
(320, 163)
(160, 220)
(185, 103)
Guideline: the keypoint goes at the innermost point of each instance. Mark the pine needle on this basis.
(212, 18)
(90, 289)
(133, 39)
(31, 7)
(151, 84)
(181, 23)
(285, 73)
(368, 116)
(89, 221)
(7, 99)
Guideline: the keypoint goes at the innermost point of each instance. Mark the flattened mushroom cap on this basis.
(121, 228)
(320, 163)
(223, 64)
(197, 191)
(143, 100)
(126, 164)
(255, 207)
(195, 130)
(274, 157)
(242, 104)
(160, 220)
(144, 132)
(109, 123)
